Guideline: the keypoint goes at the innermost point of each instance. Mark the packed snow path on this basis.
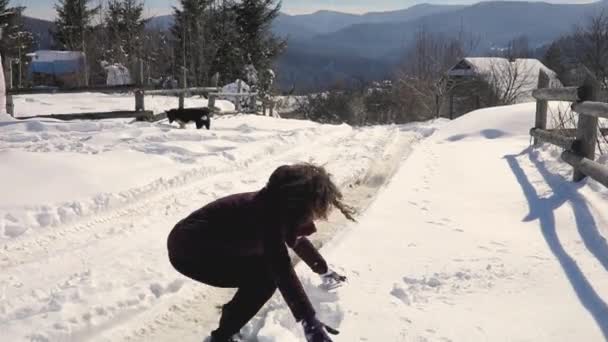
(476, 238)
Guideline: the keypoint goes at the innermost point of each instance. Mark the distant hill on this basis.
(327, 46)
(162, 22)
(495, 22)
(323, 22)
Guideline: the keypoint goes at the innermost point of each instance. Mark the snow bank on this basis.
(477, 238)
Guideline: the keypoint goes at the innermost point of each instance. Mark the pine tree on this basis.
(193, 47)
(253, 20)
(229, 57)
(125, 27)
(16, 40)
(73, 23)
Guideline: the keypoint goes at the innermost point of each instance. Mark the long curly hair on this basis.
(304, 189)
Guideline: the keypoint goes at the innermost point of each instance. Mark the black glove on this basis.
(332, 280)
(314, 331)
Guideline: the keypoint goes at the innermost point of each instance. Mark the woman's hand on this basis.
(332, 279)
(315, 331)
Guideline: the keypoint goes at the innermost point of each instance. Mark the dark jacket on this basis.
(246, 224)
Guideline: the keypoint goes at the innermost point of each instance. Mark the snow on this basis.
(236, 87)
(54, 55)
(477, 238)
(117, 74)
(487, 65)
(466, 234)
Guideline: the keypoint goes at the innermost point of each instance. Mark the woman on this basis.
(240, 241)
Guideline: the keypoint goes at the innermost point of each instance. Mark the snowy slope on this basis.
(86, 208)
(477, 238)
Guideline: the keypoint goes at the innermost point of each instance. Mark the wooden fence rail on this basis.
(579, 144)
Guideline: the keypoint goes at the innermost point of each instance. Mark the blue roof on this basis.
(56, 67)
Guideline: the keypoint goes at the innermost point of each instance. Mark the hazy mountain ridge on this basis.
(495, 22)
(326, 46)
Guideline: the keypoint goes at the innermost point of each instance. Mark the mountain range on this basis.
(326, 46)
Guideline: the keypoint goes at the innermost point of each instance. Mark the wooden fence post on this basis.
(215, 80)
(451, 104)
(211, 102)
(10, 73)
(253, 103)
(141, 72)
(586, 131)
(238, 99)
(541, 105)
(182, 84)
(10, 106)
(139, 101)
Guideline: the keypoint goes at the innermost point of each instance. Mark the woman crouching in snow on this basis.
(240, 241)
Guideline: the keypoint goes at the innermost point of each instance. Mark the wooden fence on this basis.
(139, 113)
(139, 92)
(580, 144)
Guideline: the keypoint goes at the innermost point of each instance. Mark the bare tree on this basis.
(592, 46)
(425, 67)
(510, 80)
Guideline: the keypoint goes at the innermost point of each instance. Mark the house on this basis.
(57, 68)
(478, 82)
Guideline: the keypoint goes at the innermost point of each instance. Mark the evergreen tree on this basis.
(229, 57)
(73, 23)
(125, 26)
(192, 44)
(253, 20)
(222, 37)
(16, 40)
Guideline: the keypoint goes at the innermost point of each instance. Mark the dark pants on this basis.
(249, 274)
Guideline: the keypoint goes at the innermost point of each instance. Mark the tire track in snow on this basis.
(30, 249)
(68, 274)
(190, 314)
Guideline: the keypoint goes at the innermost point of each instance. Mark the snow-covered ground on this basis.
(86, 208)
(476, 238)
(472, 236)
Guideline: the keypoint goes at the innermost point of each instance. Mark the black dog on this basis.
(201, 116)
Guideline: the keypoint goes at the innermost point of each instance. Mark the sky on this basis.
(44, 8)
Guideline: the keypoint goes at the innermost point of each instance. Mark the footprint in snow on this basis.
(399, 293)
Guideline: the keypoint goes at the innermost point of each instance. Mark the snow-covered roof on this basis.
(488, 67)
(471, 66)
(56, 62)
(54, 56)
